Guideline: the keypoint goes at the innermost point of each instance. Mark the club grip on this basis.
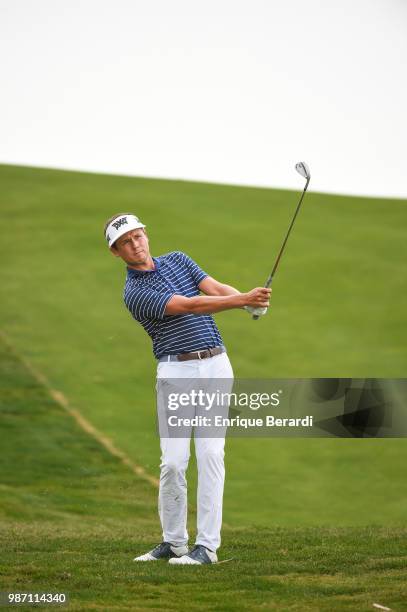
(267, 285)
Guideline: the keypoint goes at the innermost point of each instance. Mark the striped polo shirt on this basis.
(146, 294)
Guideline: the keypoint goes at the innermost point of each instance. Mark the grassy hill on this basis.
(338, 309)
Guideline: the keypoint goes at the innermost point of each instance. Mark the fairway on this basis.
(313, 524)
(338, 309)
(73, 517)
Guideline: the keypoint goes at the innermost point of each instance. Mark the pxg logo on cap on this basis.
(120, 226)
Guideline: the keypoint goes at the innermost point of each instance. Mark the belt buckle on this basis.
(199, 354)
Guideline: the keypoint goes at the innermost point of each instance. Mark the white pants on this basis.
(172, 500)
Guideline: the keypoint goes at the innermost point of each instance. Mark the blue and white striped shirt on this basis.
(146, 294)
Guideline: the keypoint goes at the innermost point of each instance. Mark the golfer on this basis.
(163, 294)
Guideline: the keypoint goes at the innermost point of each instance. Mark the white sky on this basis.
(217, 90)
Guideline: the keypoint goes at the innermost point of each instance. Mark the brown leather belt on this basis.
(210, 352)
(203, 354)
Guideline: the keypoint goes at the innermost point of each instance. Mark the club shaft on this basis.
(270, 278)
(286, 238)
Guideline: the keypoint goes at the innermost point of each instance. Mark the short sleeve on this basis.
(147, 303)
(196, 272)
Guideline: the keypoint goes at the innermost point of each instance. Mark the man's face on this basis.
(132, 247)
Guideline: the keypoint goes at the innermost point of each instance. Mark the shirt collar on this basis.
(133, 272)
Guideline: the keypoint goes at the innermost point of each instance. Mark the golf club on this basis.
(302, 169)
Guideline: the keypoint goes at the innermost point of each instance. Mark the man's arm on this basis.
(210, 286)
(202, 304)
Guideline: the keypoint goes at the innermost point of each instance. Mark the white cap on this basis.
(121, 225)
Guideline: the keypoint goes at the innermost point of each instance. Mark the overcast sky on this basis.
(217, 90)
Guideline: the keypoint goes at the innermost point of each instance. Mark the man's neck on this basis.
(148, 265)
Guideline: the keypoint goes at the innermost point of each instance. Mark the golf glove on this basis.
(256, 311)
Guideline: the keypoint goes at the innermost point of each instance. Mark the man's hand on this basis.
(258, 301)
(257, 298)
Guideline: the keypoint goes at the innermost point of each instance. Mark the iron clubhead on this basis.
(303, 169)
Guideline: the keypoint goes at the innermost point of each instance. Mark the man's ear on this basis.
(114, 251)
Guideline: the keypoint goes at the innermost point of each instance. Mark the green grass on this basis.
(73, 517)
(339, 305)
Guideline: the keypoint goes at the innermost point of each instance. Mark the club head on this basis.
(303, 169)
